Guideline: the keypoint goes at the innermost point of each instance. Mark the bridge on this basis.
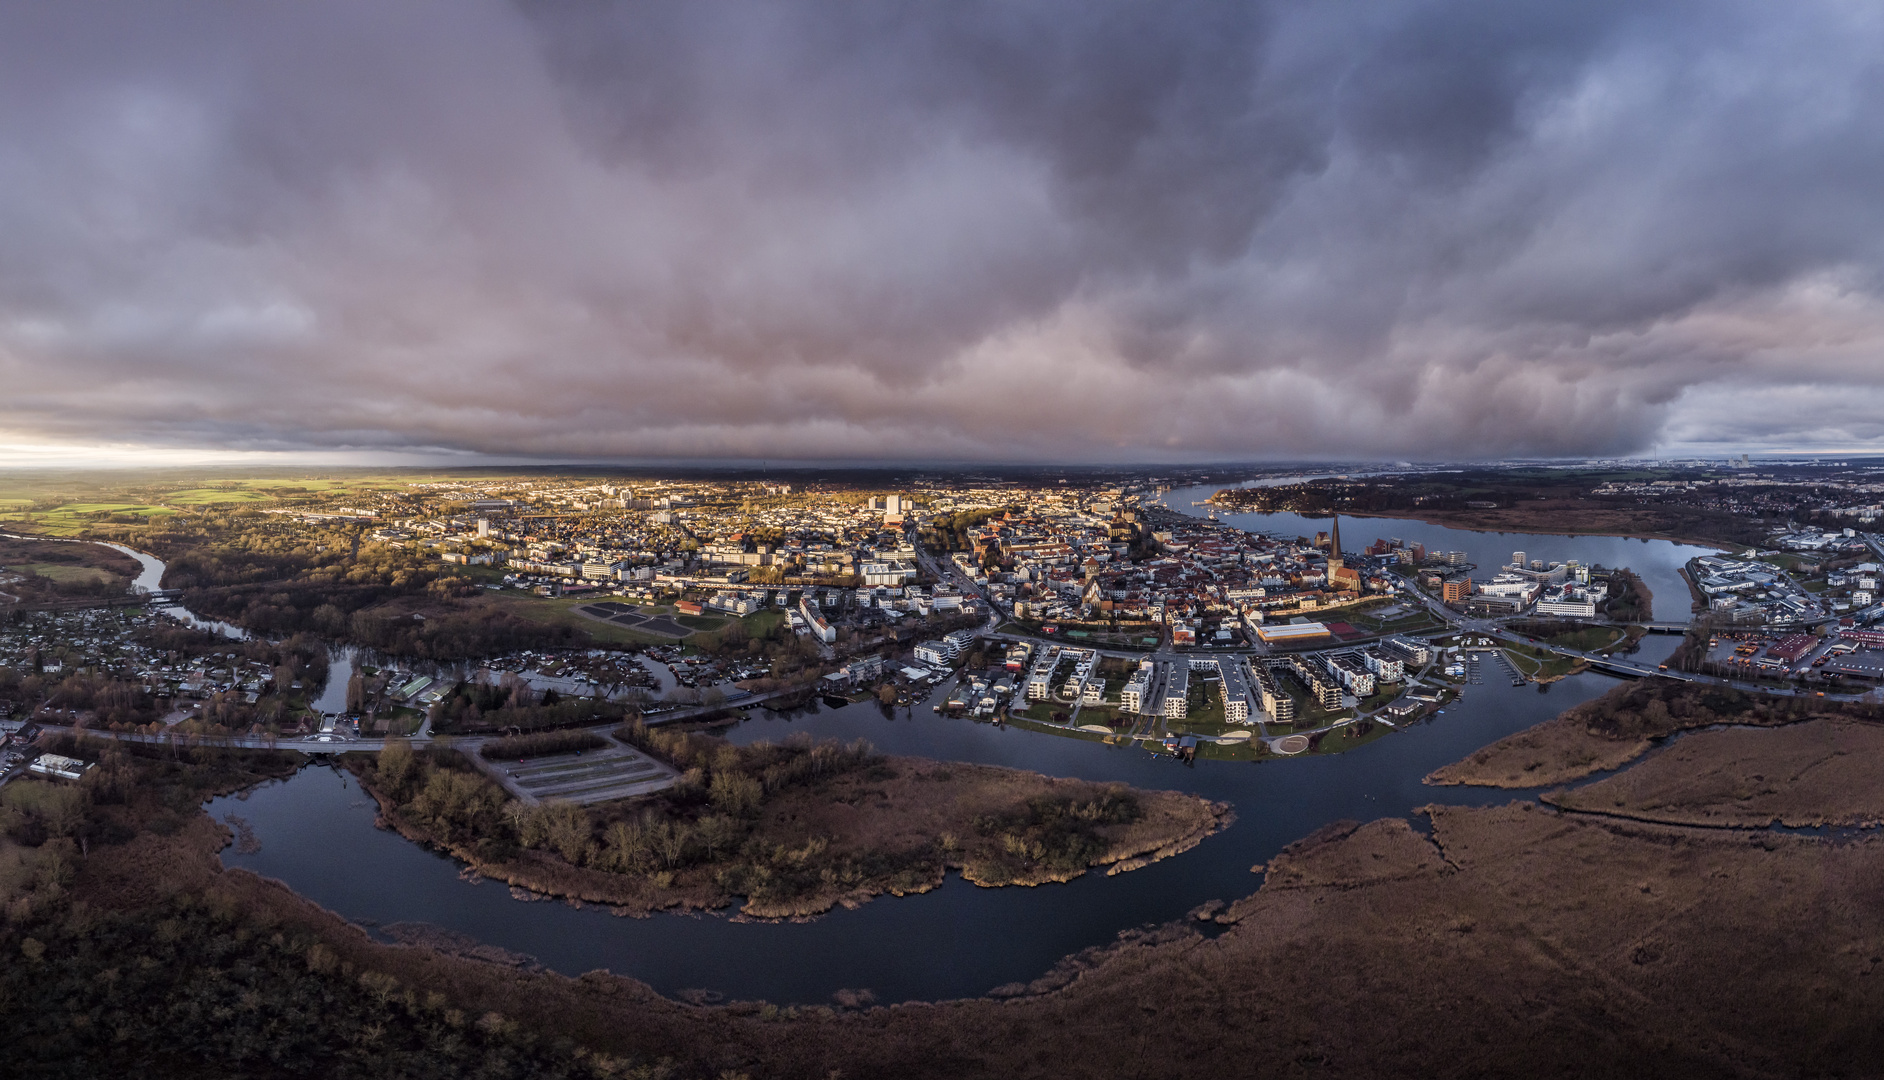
(311, 745)
(83, 603)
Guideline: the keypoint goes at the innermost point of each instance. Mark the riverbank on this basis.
(1621, 726)
(1809, 775)
(1544, 517)
(894, 825)
(1376, 948)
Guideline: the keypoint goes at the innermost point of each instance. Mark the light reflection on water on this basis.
(317, 835)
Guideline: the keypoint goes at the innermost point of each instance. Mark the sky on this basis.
(1014, 230)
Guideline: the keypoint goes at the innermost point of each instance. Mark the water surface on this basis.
(317, 836)
(1656, 562)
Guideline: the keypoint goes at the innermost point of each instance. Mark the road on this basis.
(341, 744)
(1493, 628)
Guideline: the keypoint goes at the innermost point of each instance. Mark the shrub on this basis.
(540, 744)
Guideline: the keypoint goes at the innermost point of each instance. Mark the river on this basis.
(317, 835)
(1656, 562)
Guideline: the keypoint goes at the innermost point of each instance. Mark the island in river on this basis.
(787, 830)
(1648, 924)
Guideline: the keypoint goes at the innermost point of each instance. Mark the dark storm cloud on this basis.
(1002, 229)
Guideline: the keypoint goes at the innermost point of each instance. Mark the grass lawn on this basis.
(556, 612)
(1041, 712)
(1588, 639)
(1237, 751)
(1311, 715)
(74, 518)
(64, 574)
(404, 720)
(760, 623)
(1539, 664)
(1788, 563)
(1192, 725)
(1065, 733)
(1388, 692)
(1349, 737)
(212, 496)
(1206, 713)
(699, 622)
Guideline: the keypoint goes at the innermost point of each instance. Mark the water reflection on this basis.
(1656, 562)
(317, 835)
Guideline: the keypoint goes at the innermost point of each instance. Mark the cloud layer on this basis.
(1055, 229)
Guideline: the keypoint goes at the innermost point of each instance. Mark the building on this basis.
(815, 621)
(1351, 672)
(1235, 688)
(865, 669)
(1416, 652)
(1177, 691)
(1791, 647)
(63, 768)
(1572, 600)
(1456, 591)
(1860, 665)
(1291, 633)
(1277, 703)
(1325, 691)
(1388, 669)
(1132, 698)
(936, 653)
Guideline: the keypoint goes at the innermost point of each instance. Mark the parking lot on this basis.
(593, 776)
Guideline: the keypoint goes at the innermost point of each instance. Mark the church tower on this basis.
(1334, 547)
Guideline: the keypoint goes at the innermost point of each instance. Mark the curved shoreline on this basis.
(1427, 518)
(634, 896)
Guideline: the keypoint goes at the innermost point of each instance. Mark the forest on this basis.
(739, 824)
(113, 968)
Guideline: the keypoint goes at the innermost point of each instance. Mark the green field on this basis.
(1338, 740)
(212, 496)
(65, 574)
(760, 623)
(73, 518)
(1589, 639)
(556, 612)
(1540, 664)
(1041, 712)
